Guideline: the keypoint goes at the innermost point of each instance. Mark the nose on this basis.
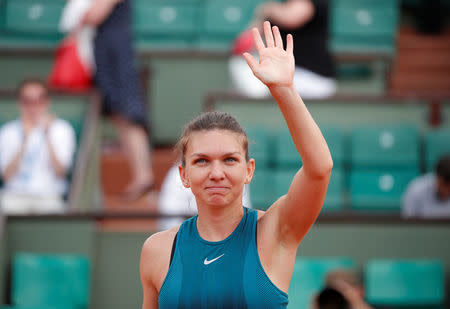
(216, 172)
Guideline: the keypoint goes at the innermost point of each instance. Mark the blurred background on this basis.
(387, 123)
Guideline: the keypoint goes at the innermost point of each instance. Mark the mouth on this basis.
(217, 189)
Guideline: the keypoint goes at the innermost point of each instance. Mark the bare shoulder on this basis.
(155, 256)
(260, 213)
(159, 241)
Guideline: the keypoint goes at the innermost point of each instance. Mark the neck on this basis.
(217, 223)
(32, 121)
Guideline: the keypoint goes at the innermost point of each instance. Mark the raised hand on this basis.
(276, 66)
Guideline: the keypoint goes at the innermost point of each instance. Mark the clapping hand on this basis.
(276, 65)
(46, 123)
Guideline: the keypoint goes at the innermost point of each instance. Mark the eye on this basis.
(200, 161)
(230, 159)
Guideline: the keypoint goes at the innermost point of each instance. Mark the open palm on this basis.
(276, 65)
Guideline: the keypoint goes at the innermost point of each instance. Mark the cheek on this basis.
(238, 175)
(196, 175)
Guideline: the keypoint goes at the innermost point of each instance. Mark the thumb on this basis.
(251, 61)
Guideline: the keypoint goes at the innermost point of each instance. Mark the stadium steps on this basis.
(115, 174)
(422, 65)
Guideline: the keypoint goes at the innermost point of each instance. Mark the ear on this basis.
(183, 176)
(250, 171)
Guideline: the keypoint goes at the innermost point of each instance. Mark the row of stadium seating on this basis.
(383, 147)
(387, 282)
(355, 26)
(63, 281)
(374, 164)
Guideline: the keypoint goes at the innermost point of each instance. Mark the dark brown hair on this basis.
(443, 168)
(29, 81)
(207, 122)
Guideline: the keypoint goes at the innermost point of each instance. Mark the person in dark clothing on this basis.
(307, 21)
(330, 298)
(117, 78)
(343, 290)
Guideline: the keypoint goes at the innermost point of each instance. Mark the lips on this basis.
(217, 189)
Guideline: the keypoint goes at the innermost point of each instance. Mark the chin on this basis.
(217, 202)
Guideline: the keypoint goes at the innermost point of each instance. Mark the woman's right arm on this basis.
(154, 265)
(150, 295)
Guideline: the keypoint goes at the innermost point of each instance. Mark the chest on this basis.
(219, 275)
(208, 276)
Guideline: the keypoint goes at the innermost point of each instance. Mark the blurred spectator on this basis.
(36, 152)
(307, 21)
(175, 199)
(343, 290)
(118, 80)
(428, 196)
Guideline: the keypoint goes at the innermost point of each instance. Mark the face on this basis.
(443, 189)
(33, 102)
(216, 168)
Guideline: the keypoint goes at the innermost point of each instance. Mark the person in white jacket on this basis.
(36, 153)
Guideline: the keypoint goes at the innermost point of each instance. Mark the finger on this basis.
(268, 34)
(289, 44)
(257, 39)
(277, 35)
(251, 61)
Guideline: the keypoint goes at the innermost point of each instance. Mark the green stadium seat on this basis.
(33, 16)
(77, 125)
(286, 155)
(353, 71)
(261, 189)
(336, 143)
(335, 192)
(30, 22)
(309, 277)
(282, 179)
(223, 21)
(373, 190)
(437, 143)
(363, 25)
(404, 282)
(385, 147)
(53, 281)
(166, 23)
(259, 145)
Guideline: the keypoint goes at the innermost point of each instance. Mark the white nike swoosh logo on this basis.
(206, 262)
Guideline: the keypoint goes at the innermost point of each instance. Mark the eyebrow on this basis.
(199, 154)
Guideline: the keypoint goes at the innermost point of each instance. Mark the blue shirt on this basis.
(225, 274)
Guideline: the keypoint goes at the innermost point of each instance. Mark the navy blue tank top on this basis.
(225, 274)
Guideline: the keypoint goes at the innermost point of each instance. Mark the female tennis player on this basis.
(229, 256)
